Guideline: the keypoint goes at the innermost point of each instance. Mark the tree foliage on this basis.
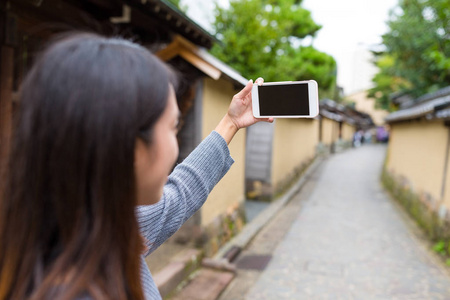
(416, 59)
(175, 2)
(264, 38)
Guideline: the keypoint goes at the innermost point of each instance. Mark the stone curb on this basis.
(179, 269)
(251, 229)
(181, 266)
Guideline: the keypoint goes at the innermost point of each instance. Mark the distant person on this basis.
(382, 134)
(357, 139)
(88, 193)
(368, 137)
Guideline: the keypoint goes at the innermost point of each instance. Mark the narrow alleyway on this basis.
(341, 237)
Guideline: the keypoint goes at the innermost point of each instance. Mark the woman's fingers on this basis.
(269, 120)
(245, 90)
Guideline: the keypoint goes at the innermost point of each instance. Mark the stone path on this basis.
(345, 239)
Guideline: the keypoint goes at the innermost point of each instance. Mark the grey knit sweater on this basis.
(184, 193)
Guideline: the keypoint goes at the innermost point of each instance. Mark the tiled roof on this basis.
(430, 106)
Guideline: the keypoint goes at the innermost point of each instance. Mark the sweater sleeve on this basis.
(186, 190)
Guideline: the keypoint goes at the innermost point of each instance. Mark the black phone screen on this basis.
(284, 100)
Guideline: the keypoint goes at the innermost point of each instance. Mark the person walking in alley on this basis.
(87, 193)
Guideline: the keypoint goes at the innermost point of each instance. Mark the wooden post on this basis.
(6, 87)
(446, 163)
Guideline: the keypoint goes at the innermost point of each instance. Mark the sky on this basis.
(350, 28)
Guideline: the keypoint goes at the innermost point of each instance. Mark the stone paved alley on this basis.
(342, 237)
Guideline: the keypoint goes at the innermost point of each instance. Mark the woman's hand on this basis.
(240, 113)
(240, 110)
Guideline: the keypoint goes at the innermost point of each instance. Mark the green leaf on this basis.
(416, 59)
(257, 40)
(439, 247)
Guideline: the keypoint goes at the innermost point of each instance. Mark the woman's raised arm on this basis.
(240, 114)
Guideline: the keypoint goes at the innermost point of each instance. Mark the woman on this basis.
(95, 138)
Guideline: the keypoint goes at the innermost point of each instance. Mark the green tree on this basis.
(387, 82)
(175, 2)
(416, 59)
(264, 38)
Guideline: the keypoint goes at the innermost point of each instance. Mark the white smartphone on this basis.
(286, 99)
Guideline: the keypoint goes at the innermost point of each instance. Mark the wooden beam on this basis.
(104, 4)
(151, 26)
(185, 43)
(124, 18)
(188, 52)
(201, 64)
(6, 86)
(57, 14)
(172, 50)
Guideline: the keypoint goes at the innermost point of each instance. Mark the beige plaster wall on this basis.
(367, 105)
(294, 143)
(229, 192)
(330, 131)
(417, 152)
(447, 182)
(347, 132)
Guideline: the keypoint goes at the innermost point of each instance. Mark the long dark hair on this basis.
(67, 216)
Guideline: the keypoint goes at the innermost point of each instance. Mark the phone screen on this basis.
(284, 100)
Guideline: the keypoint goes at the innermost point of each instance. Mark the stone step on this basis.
(206, 285)
(178, 270)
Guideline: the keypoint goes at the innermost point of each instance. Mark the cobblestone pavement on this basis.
(342, 237)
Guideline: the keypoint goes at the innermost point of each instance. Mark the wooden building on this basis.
(207, 85)
(26, 25)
